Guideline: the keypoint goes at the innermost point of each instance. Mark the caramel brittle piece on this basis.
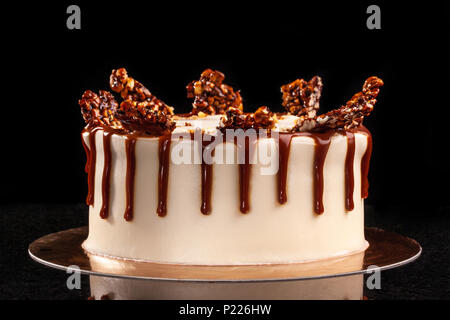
(146, 117)
(301, 98)
(127, 87)
(234, 119)
(352, 114)
(99, 110)
(348, 116)
(263, 118)
(211, 95)
(132, 90)
(140, 110)
(89, 104)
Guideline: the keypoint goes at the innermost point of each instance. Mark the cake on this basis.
(220, 186)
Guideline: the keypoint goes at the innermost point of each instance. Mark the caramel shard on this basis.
(211, 95)
(132, 90)
(147, 117)
(301, 98)
(262, 118)
(127, 87)
(99, 110)
(141, 110)
(352, 114)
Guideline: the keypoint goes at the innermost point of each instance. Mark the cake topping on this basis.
(127, 87)
(301, 98)
(348, 116)
(262, 118)
(211, 95)
(148, 117)
(140, 111)
(352, 114)
(99, 110)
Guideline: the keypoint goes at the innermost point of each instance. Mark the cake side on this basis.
(269, 232)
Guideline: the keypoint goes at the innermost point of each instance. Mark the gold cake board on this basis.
(335, 278)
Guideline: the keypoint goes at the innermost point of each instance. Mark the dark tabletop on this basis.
(22, 278)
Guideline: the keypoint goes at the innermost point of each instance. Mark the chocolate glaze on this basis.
(163, 175)
(349, 175)
(106, 177)
(130, 148)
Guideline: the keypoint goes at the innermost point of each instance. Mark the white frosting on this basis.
(208, 124)
(286, 122)
(268, 233)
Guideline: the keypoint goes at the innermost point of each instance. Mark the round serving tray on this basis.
(386, 250)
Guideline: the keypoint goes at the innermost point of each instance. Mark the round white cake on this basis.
(269, 232)
(220, 186)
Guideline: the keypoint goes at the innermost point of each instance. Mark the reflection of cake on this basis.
(147, 204)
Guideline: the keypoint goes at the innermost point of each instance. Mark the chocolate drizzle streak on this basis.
(322, 143)
(365, 165)
(86, 150)
(90, 165)
(163, 174)
(206, 179)
(106, 177)
(349, 174)
(320, 153)
(130, 148)
(245, 173)
(284, 145)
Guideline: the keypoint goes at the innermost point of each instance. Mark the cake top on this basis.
(140, 112)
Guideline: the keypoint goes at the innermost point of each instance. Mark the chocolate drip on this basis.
(106, 177)
(206, 177)
(245, 172)
(284, 145)
(163, 176)
(91, 167)
(322, 143)
(349, 174)
(320, 153)
(365, 162)
(130, 148)
(86, 150)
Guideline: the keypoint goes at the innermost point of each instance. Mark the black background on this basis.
(259, 47)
